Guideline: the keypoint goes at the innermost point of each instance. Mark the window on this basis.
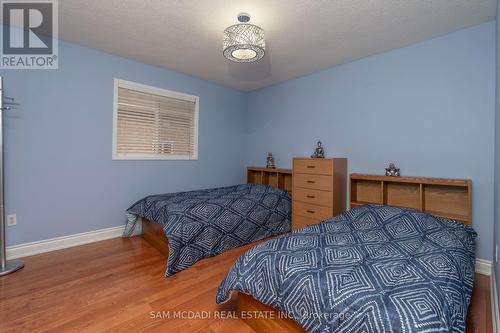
(153, 123)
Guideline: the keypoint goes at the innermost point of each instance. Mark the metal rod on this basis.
(3, 251)
(6, 267)
(10, 103)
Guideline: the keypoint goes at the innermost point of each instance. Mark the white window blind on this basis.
(153, 123)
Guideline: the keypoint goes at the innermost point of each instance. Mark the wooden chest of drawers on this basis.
(319, 190)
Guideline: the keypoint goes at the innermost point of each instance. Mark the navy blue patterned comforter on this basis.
(371, 269)
(201, 224)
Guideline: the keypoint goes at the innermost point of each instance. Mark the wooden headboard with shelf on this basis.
(448, 198)
(275, 177)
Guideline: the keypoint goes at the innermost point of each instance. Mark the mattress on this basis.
(203, 223)
(372, 269)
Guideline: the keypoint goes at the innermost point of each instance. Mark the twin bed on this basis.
(189, 226)
(374, 268)
(383, 268)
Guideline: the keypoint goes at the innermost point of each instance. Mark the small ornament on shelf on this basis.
(270, 161)
(392, 171)
(319, 151)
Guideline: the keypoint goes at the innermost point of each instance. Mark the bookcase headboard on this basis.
(448, 198)
(277, 177)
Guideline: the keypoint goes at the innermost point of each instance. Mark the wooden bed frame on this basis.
(449, 198)
(152, 232)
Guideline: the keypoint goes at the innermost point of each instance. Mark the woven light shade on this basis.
(244, 42)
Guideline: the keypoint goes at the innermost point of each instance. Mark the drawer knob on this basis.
(311, 181)
(310, 196)
(311, 166)
(310, 211)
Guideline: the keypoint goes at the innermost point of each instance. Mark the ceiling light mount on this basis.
(244, 42)
(243, 17)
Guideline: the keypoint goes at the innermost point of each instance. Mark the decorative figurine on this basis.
(270, 161)
(392, 171)
(319, 152)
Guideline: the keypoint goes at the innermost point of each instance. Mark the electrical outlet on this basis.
(11, 220)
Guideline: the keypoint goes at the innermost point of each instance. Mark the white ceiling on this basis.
(302, 36)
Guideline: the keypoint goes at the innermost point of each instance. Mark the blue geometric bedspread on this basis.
(203, 223)
(371, 269)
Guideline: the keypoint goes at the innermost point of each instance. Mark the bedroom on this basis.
(411, 83)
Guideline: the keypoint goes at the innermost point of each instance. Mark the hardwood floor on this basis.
(479, 317)
(118, 285)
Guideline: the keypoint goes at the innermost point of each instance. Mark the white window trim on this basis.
(152, 90)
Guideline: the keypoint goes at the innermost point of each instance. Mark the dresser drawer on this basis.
(313, 166)
(315, 182)
(316, 197)
(311, 211)
(299, 222)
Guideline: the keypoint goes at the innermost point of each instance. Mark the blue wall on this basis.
(60, 178)
(497, 152)
(428, 107)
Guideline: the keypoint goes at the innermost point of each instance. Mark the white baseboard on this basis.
(494, 303)
(483, 267)
(29, 249)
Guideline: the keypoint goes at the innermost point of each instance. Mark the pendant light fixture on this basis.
(244, 42)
